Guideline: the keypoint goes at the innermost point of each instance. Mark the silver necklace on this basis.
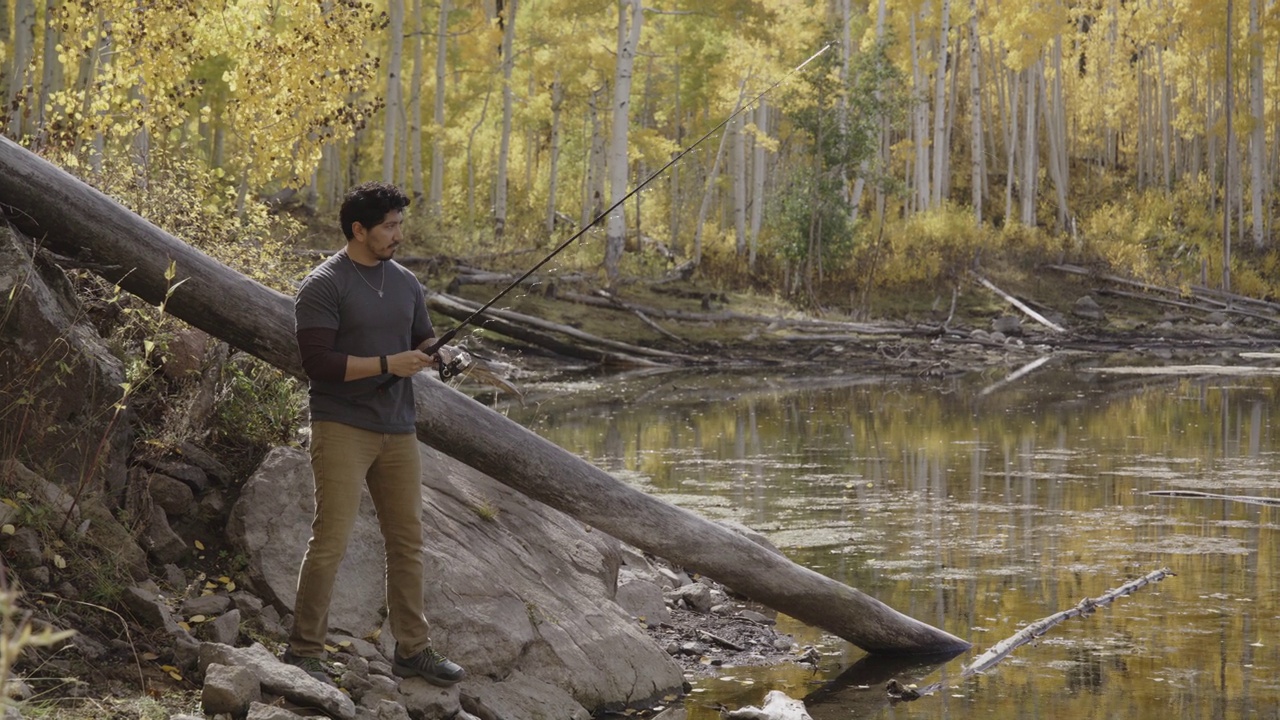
(382, 283)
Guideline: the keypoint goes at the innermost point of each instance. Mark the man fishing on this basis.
(361, 324)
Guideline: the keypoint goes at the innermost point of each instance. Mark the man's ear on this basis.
(358, 231)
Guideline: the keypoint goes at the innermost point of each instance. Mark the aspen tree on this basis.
(1257, 135)
(415, 104)
(24, 38)
(761, 133)
(941, 148)
(553, 179)
(504, 142)
(630, 20)
(395, 89)
(435, 198)
(976, 179)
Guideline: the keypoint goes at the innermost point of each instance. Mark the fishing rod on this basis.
(452, 368)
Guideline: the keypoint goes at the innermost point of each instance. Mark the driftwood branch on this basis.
(544, 333)
(722, 642)
(1196, 494)
(1020, 305)
(1005, 648)
(1016, 374)
(1225, 301)
(639, 314)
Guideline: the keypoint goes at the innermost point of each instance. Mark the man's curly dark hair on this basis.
(368, 204)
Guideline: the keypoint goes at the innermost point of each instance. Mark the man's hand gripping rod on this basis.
(455, 366)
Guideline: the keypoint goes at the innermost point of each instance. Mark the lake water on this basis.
(979, 506)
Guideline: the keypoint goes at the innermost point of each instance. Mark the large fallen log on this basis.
(76, 221)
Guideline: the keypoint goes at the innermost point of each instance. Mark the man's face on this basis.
(382, 239)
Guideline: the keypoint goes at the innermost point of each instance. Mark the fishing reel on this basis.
(457, 363)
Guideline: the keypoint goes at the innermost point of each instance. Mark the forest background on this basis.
(930, 136)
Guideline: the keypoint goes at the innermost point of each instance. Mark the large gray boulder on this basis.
(514, 589)
(60, 373)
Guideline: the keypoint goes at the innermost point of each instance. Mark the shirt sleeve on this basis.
(316, 321)
(319, 360)
(422, 328)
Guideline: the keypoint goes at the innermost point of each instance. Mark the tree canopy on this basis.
(1099, 124)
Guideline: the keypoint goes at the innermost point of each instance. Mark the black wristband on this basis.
(383, 360)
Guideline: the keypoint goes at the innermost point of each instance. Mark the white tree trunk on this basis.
(758, 171)
(1030, 155)
(1257, 139)
(24, 41)
(976, 152)
(739, 186)
(557, 104)
(705, 208)
(673, 232)
(395, 104)
(941, 149)
(920, 125)
(504, 144)
(630, 19)
(50, 69)
(1011, 141)
(593, 178)
(415, 104)
(436, 193)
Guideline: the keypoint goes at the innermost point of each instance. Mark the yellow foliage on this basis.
(182, 196)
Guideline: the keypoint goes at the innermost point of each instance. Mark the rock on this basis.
(174, 496)
(23, 549)
(191, 475)
(673, 578)
(174, 577)
(380, 688)
(1217, 317)
(15, 688)
(521, 696)
(997, 337)
(424, 700)
(211, 466)
(146, 609)
(215, 604)
(1007, 325)
(163, 544)
(229, 689)
(258, 711)
(643, 600)
(537, 605)
(277, 678)
(757, 617)
(224, 629)
(783, 643)
(44, 351)
(185, 353)
(777, 706)
(250, 606)
(696, 595)
(388, 710)
(43, 492)
(1087, 308)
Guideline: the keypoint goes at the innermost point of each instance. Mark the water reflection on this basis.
(981, 513)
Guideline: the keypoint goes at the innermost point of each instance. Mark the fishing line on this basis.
(447, 371)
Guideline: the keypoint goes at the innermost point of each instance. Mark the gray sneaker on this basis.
(312, 666)
(430, 666)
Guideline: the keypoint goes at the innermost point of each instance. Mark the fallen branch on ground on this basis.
(1005, 648)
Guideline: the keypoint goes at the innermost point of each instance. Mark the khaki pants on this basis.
(342, 459)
